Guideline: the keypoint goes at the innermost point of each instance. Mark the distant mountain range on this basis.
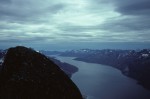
(132, 63)
(27, 74)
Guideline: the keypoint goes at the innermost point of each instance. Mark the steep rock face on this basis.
(27, 74)
(140, 70)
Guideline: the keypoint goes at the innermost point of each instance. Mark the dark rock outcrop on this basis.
(27, 74)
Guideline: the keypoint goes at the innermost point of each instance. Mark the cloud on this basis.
(51, 21)
(127, 24)
(28, 11)
(134, 7)
(5, 1)
(133, 20)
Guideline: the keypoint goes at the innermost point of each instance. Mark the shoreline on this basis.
(125, 73)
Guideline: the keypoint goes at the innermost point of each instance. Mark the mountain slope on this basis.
(27, 74)
(132, 63)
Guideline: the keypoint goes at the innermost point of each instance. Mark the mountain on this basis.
(67, 68)
(140, 68)
(27, 74)
(2, 54)
(132, 63)
(50, 52)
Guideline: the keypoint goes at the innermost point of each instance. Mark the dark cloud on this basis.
(133, 18)
(23, 12)
(55, 8)
(128, 7)
(26, 40)
(79, 20)
(127, 24)
(5, 1)
(134, 7)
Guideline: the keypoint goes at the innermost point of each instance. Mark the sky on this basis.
(53, 24)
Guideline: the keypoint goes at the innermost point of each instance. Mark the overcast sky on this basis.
(41, 22)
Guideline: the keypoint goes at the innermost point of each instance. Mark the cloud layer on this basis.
(52, 21)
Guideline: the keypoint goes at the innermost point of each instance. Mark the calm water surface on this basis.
(104, 82)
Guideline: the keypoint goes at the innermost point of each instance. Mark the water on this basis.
(104, 82)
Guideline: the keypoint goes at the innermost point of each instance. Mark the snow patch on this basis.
(145, 55)
(1, 61)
